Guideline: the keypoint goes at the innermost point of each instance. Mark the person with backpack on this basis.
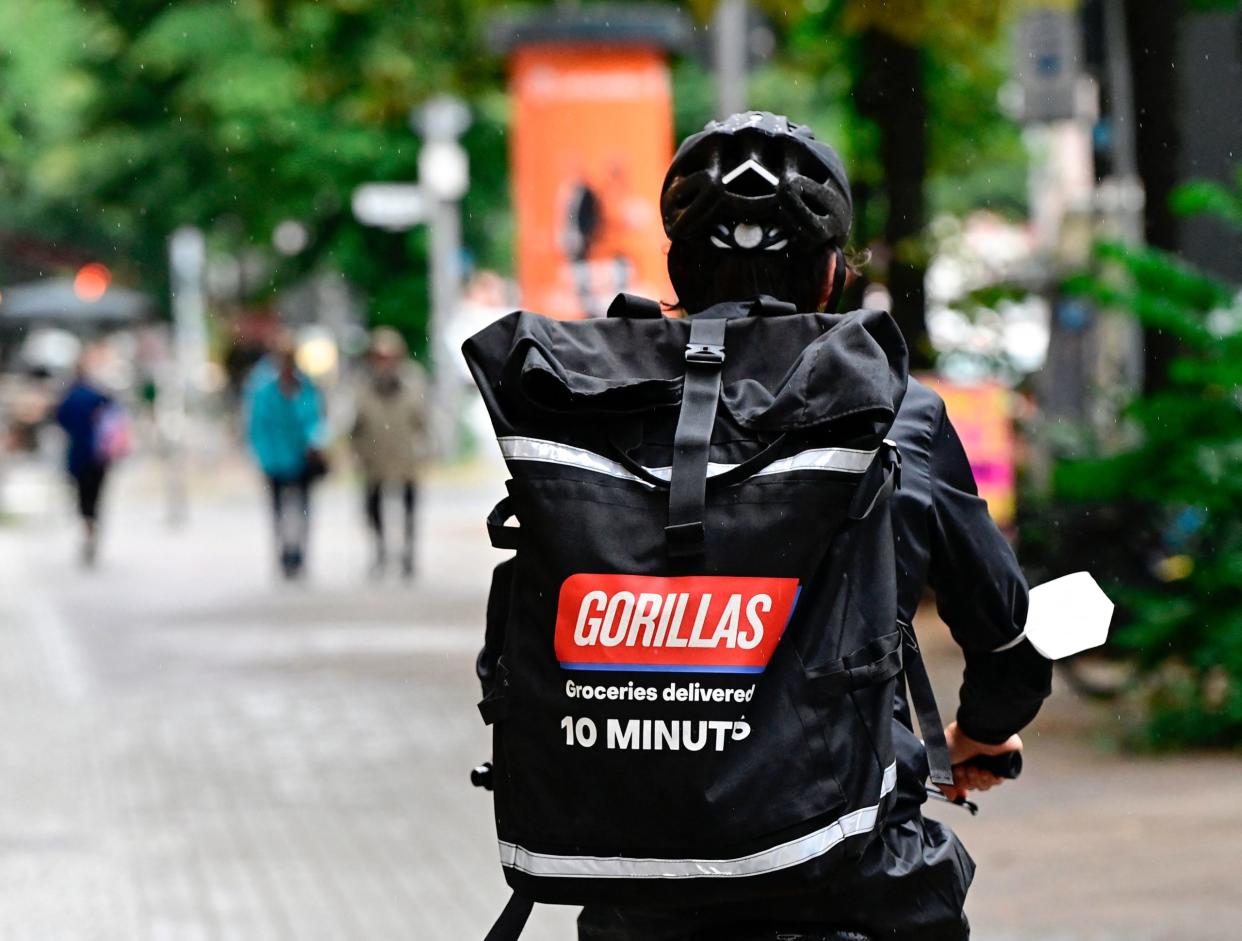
(726, 524)
(98, 435)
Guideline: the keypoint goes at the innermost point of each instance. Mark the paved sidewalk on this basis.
(195, 750)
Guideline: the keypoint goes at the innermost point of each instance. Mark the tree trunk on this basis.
(890, 91)
(1153, 31)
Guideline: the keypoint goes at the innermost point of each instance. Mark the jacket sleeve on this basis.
(982, 596)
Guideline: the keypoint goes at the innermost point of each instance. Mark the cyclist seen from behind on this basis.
(755, 205)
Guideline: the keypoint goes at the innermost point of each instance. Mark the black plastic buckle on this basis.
(705, 354)
(895, 456)
(908, 637)
(685, 540)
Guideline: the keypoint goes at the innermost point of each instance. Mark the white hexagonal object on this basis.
(1067, 616)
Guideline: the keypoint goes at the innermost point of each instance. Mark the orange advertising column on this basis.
(592, 135)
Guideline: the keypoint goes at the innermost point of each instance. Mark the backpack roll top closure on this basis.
(784, 373)
(788, 390)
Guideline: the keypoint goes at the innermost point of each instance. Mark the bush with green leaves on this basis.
(1183, 476)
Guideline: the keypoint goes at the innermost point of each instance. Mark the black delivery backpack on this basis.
(691, 659)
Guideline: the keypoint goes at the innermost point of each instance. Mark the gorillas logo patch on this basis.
(692, 623)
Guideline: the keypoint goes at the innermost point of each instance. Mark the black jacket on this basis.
(947, 541)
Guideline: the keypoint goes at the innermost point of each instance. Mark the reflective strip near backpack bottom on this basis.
(792, 853)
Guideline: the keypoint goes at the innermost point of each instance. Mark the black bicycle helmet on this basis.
(757, 182)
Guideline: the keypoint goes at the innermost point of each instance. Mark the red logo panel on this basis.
(689, 623)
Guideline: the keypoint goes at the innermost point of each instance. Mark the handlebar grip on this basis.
(482, 776)
(1008, 765)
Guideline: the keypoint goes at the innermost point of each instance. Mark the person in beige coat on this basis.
(391, 438)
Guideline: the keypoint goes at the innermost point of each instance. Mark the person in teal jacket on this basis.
(286, 430)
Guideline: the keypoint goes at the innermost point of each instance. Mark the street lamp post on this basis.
(729, 28)
(187, 256)
(444, 174)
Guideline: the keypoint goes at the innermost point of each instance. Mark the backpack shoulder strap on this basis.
(765, 305)
(631, 305)
(924, 702)
(512, 920)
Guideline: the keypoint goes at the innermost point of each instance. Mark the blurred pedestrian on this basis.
(391, 439)
(287, 432)
(97, 436)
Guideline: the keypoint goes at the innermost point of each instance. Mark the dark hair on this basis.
(703, 275)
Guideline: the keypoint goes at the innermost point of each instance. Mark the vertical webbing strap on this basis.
(687, 492)
(924, 702)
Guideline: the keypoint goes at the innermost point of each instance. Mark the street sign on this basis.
(442, 118)
(444, 170)
(393, 206)
(1048, 61)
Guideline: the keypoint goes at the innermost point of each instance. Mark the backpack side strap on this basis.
(687, 494)
(502, 536)
(924, 702)
(512, 920)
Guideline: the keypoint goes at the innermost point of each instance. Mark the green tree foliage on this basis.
(967, 61)
(924, 132)
(121, 120)
(1185, 474)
